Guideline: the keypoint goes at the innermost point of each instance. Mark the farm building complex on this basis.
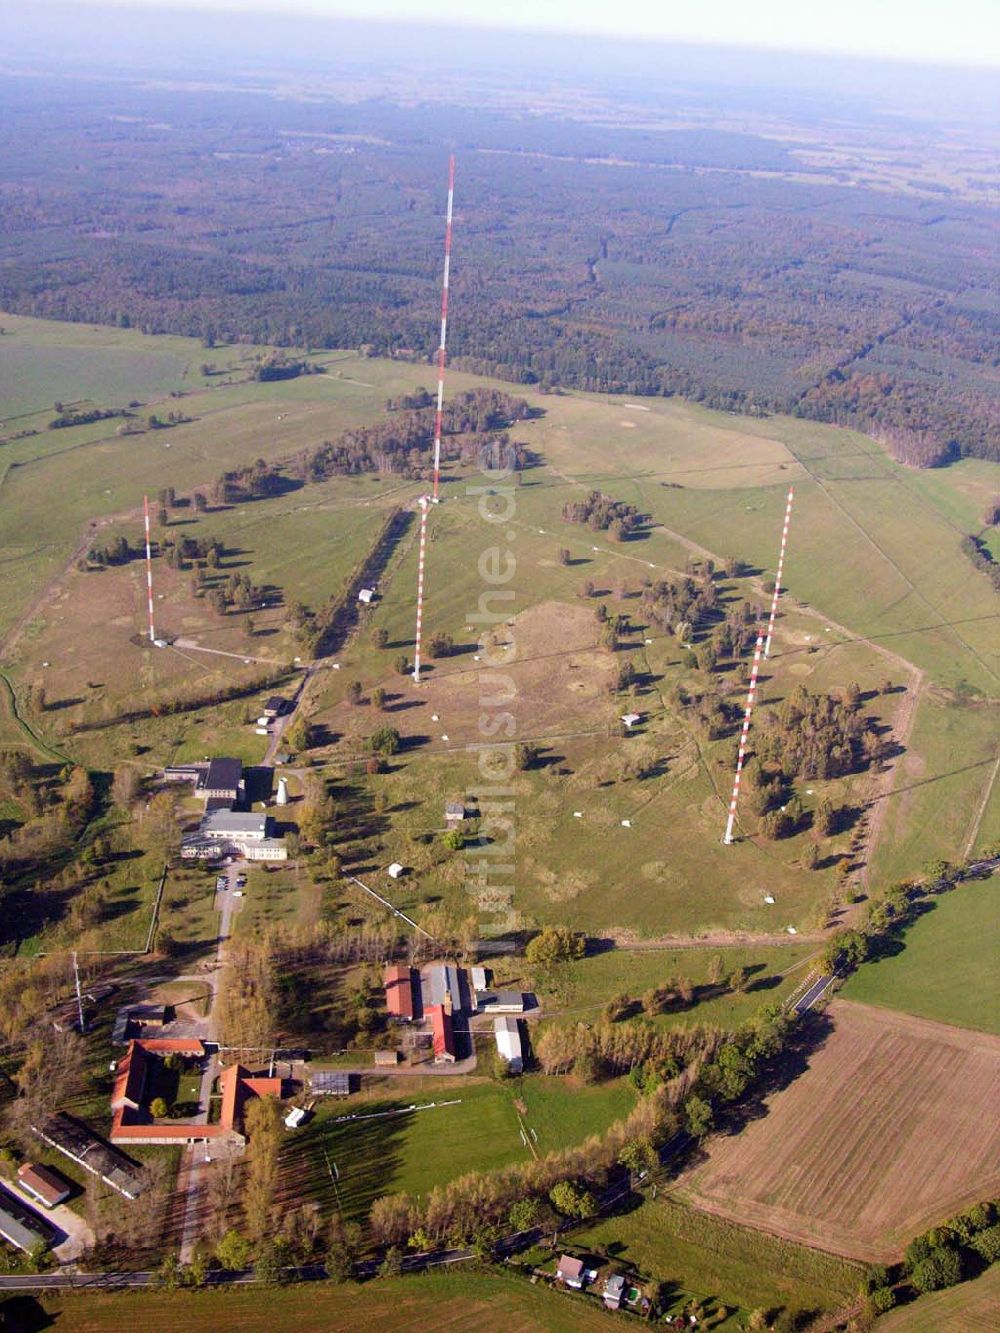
(134, 1091)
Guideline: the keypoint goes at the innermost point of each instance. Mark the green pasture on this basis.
(710, 1258)
(54, 483)
(667, 871)
(418, 1149)
(946, 965)
(107, 366)
(852, 551)
(939, 788)
(578, 991)
(305, 552)
(711, 479)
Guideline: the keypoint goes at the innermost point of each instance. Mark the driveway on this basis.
(278, 726)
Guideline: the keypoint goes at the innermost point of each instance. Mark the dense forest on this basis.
(718, 266)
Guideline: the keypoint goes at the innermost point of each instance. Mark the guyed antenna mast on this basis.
(444, 328)
(149, 570)
(424, 503)
(761, 650)
(777, 578)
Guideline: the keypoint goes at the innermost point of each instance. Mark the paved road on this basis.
(191, 1174)
(814, 993)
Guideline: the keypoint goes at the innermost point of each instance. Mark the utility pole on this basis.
(79, 998)
(334, 1179)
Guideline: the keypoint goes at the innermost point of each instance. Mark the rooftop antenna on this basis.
(424, 503)
(149, 570)
(761, 650)
(777, 580)
(444, 328)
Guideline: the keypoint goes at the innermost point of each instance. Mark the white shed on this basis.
(508, 1039)
(366, 595)
(395, 870)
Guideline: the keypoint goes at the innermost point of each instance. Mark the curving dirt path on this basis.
(878, 801)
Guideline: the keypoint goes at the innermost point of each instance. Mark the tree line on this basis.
(479, 1208)
(402, 443)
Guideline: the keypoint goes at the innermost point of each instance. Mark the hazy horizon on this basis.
(424, 62)
(900, 31)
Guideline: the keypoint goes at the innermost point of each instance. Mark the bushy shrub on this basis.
(941, 1268)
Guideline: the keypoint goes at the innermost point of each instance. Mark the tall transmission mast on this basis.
(444, 328)
(741, 755)
(149, 570)
(777, 579)
(424, 503)
(761, 650)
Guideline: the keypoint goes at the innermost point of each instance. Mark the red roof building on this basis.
(131, 1121)
(238, 1086)
(130, 1082)
(444, 1033)
(398, 983)
(43, 1184)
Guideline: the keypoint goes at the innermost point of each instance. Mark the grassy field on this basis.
(712, 1259)
(415, 1150)
(881, 1093)
(579, 990)
(947, 966)
(851, 552)
(940, 786)
(451, 1302)
(670, 872)
(969, 1308)
(706, 479)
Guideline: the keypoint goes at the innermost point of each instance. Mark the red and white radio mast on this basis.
(424, 503)
(149, 571)
(761, 650)
(777, 578)
(444, 328)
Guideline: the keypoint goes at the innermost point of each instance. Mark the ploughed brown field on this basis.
(892, 1129)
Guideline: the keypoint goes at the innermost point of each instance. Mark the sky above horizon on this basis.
(964, 32)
